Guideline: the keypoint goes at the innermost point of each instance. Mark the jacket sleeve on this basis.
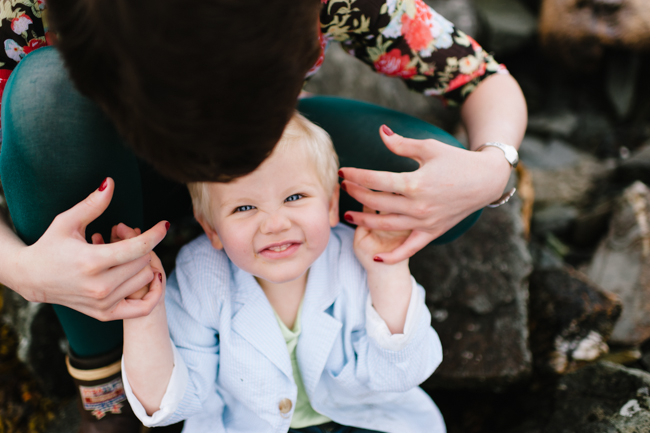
(193, 316)
(409, 40)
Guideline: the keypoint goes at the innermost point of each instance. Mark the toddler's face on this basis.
(274, 222)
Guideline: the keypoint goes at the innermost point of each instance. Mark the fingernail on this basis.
(378, 259)
(348, 218)
(104, 184)
(341, 174)
(160, 277)
(386, 130)
(167, 225)
(344, 187)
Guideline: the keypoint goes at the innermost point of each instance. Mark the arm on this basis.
(389, 285)
(451, 183)
(92, 279)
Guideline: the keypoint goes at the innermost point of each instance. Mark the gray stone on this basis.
(558, 123)
(570, 319)
(510, 24)
(42, 343)
(477, 293)
(549, 155)
(345, 76)
(555, 219)
(621, 264)
(602, 398)
(636, 167)
(460, 12)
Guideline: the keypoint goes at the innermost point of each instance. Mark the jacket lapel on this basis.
(319, 329)
(256, 322)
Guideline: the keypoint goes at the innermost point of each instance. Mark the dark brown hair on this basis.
(200, 89)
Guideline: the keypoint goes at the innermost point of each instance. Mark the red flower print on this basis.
(323, 44)
(394, 64)
(416, 30)
(4, 76)
(463, 79)
(20, 24)
(475, 45)
(33, 45)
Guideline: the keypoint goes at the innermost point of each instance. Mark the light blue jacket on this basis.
(233, 368)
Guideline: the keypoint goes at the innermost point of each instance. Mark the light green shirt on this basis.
(304, 415)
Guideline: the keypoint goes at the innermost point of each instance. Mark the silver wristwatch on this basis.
(510, 152)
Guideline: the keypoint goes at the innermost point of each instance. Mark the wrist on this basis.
(497, 172)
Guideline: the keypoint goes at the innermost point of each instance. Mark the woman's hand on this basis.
(450, 184)
(122, 232)
(62, 268)
(369, 243)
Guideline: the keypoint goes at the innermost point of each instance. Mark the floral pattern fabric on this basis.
(409, 40)
(399, 38)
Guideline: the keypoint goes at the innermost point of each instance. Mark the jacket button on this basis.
(285, 405)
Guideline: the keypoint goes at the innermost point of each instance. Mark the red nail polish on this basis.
(378, 259)
(387, 130)
(160, 277)
(167, 225)
(348, 218)
(341, 174)
(344, 187)
(104, 184)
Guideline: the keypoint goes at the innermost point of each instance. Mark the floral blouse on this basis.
(399, 38)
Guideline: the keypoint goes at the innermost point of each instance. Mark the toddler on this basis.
(280, 318)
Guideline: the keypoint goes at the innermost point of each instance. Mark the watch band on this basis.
(510, 152)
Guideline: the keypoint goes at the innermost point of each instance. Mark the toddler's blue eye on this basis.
(294, 197)
(244, 208)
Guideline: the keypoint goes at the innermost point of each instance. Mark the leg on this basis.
(58, 147)
(354, 127)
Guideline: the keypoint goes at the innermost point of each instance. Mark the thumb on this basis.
(414, 243)
(86, 211)
(418, 150)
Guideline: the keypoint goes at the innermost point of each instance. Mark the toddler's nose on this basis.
(275, 223)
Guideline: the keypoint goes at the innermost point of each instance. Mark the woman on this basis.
(201, 92)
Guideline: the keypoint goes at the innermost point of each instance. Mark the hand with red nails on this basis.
(451, 183)
(92, 279)
(122, 232)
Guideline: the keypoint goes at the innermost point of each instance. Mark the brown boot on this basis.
(102, 404)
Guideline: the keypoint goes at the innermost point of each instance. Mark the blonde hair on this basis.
(299, 134)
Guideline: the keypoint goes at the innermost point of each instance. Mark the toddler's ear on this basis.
(212, 233)
(334, 206)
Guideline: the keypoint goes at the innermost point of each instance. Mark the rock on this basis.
(578, 31)
(510, 25)
(558, 123)
(561, 175)
(42, 343)
(477, 293)
(602, 398)
(460, 12)
(344, 75)
(636, 167)
(557, 219)
(621, 264)
(570, 319)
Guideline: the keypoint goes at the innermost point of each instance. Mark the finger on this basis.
(418, 150)
(377, 200)
(138, 232)
(97, 239)
(136, 247)
(125, 232)
(83, 213)
(375, 180)
(132, 285)
(114, 237)
(118, 275)
(132, 308)
(387, 222)
(414, 243)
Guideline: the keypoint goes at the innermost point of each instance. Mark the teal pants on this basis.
(57, 147)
